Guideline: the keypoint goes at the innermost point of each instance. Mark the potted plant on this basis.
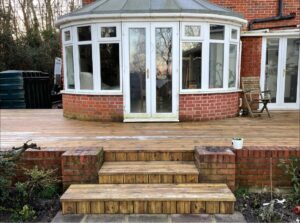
(237, 142)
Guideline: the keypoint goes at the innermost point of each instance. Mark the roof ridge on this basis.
(200, 3)
(176, 3)
(124, 4)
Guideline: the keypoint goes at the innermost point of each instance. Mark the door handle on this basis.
(284, 72)
(147, 73)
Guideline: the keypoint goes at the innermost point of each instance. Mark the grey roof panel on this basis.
(164, 5)
(136, 5)
(157, 6)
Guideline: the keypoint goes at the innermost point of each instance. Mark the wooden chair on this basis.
(253, 96)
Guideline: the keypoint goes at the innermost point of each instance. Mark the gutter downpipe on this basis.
(279, 17)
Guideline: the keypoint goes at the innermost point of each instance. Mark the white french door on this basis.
(150, 54)
(280, 71)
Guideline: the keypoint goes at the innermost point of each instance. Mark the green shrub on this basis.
(25, 214)
(292, 168)
(48, 192)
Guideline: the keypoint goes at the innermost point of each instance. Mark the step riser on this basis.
(148, 207)
(148, 179)
(148, 156)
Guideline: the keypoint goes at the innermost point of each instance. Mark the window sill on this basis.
(92, 92)
(212, 91)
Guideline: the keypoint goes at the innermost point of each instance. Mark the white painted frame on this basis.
(126, 71)
(151, 114)
(279, 105)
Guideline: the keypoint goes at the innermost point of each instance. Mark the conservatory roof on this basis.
(103, 7)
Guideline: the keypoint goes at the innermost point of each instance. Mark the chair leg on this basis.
(269, 115)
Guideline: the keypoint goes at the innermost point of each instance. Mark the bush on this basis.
(25, 214)
(292, 168)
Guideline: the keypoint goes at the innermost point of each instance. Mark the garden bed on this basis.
(264, 207)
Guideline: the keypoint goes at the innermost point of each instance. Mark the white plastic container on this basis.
(237, 143)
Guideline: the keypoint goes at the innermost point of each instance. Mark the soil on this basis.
(251, 206)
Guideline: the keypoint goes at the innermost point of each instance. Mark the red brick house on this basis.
(177, 60)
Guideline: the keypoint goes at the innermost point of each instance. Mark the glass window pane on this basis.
(108, 32)
(234, 34)
(163, 43)
(272, 67)
(84, 33)
(137, 69)
(192, 31)
(291, 74)
(86, 67)
(232, 65)
(67, 36)
(216, 63)
(217, 32)
(191, 65)
(110, 67)
(70, 67)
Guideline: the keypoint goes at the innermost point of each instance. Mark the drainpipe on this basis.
(279, 16)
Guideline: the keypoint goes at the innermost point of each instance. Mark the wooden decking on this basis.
(148, 172)
(145, 198)
(49, 128)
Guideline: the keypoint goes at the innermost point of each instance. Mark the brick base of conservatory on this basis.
(198, 107)
(93, 107)
(192, 107)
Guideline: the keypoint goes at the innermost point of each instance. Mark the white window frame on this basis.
(189, 38)
(95, 42)
(71, 36)
(106, 25)
(205, 40)
(237, 43)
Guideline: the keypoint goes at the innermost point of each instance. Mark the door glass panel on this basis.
(271, 72)
(163, 43)
(216, 64)
(137, 69)
(291, 74)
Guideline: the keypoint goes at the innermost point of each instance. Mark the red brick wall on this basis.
(196, 107)
(93, 107)
(85, 2)
(253, 166)
(251, 56)
(255, 9)
(45, 159)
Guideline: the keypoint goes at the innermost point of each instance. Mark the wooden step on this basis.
(149, 154)
(148, 199)
(152, 172)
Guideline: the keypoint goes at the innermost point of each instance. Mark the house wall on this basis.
(93, 107)
(256, 9)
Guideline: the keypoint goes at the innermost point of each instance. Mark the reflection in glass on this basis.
(217, 32)
(163, 43)
(137, 69)
(86, 67)
(192, 31)
(108, 32)
(291, 74)
(84, 33)
(110, 67)
(70, 67)
(191, 65)
(67, 35)
(272, 67)
(216, 64)
(232, 65)
(233, 34)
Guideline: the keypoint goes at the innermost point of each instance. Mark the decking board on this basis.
(148, 199)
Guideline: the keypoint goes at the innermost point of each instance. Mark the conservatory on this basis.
(151, 60)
